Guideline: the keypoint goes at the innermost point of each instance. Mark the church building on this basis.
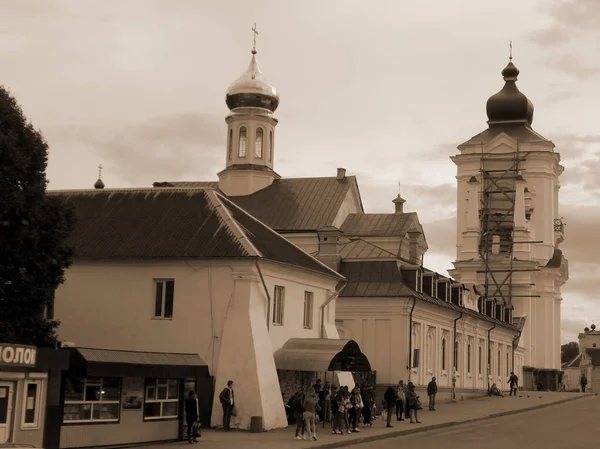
(244, 278)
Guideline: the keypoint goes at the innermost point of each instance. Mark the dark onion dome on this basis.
(509, 105)
(252, 90)
(99, 184)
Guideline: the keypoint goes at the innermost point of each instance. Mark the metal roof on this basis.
(378, 225)
(140, 358)
(321, 355)
(361, 249)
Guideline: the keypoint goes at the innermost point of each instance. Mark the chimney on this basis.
(341, 174)
(329, 246)
(413, 255)
(399, 204)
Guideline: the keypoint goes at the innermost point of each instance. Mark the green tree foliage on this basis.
(569, 351)
(33, 231)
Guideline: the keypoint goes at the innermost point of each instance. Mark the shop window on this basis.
(164, 291)
(161, 399)
(31, 405)
(93, 399)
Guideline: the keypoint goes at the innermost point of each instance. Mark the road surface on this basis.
(573, 425)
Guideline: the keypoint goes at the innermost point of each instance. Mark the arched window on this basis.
(270, 146)
(455, 361)
(258, 144)
(242, 143)
(230, 145)
(499, 355)
(443, 353)
(469, 358)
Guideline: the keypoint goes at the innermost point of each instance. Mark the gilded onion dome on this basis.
(252, 90)
(509, 105)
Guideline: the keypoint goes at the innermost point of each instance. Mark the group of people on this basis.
(513, 382)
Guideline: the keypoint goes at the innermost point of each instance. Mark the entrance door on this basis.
(6, 392)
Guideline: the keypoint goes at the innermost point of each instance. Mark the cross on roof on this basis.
(255, 31)
(100, 171)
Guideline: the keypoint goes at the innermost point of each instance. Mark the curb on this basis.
(400, 433)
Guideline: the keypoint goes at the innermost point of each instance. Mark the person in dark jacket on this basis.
(227, 398)
(412, 403)
(431, 392)
(192, 416)
(390, 403)
(297, 405)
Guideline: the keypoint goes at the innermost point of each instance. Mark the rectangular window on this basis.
(456, 355)
(480, 361)
(31, 405)
(416, 357)
(469, 358)
(308, 310)
(164, 291)
(507, 362)
(434, 289)
(499, 362)
(161, 399)
(278, 305)
(92, 399)
(419, 281)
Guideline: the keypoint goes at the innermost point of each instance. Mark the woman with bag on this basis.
(412, 403)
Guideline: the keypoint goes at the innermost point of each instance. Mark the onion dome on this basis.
(99, 184)
(252, 90)
(509, 105)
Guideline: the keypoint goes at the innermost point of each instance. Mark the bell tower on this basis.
(509, 226)
(251, 124)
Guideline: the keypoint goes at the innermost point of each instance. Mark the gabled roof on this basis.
(385, 279)
(174, 223)
(361, 249)
(293, 204)
(378, 225)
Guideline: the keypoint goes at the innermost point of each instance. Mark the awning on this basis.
(106, 362)
(321, 355)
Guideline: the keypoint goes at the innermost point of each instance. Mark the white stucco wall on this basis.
(220, 313)
(381, 327)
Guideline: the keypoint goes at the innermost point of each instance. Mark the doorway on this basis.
(6, 393)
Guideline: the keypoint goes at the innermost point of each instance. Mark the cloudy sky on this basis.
(386, 89)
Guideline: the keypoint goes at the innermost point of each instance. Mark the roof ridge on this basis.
(131, 189)
(233, 225)
(221, 198)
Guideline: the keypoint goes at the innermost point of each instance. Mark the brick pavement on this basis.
(448, 414)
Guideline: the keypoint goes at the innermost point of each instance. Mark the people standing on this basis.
(192, 416)
(390, 402)
(368, 398)
(310, 410)
(583, 382)
(326, 404)
(400, 399)
(356, 410)
(513, 382)
(227, 398)
(412, 403)
(298, 410)
(431, 392)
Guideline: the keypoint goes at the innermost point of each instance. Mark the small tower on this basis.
(99, 184)
(250, 150)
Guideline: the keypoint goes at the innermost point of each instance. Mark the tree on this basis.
(33, 232)
(569, 351)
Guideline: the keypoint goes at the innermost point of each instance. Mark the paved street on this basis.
(565, 426)
(447, 414)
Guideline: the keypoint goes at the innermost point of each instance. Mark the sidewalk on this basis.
(447, 415)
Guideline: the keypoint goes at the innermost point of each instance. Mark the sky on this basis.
(385, 89)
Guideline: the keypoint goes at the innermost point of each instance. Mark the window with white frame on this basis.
(434, 292)
(469, 358)
(499, 362)
(92, 399)
(480, 360)
(31, 404)
(242, 142)
(258, 144)
(278, 305)
(161, 399)
(419, 281)
(164, 292)
(443, 354)
(308, 310)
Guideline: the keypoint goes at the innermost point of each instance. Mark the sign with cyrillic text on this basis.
(17, 355)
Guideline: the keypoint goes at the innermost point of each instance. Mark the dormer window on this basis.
(481, 304)
(442, 291)
(457, 295)
(499, 311)
(418, 281)
(448, 291)
(434, 289)
(258, 144)
(242, 142)
(230, 145)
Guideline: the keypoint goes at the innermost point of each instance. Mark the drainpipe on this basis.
(454, 357)
(489, 362)
(410, 332)
(513, 348)
(326, 303)
(262, 280)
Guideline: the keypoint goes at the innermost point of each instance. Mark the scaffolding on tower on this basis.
(499, 173)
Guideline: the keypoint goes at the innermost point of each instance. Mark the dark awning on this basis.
(106, 362)
(321, 355)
